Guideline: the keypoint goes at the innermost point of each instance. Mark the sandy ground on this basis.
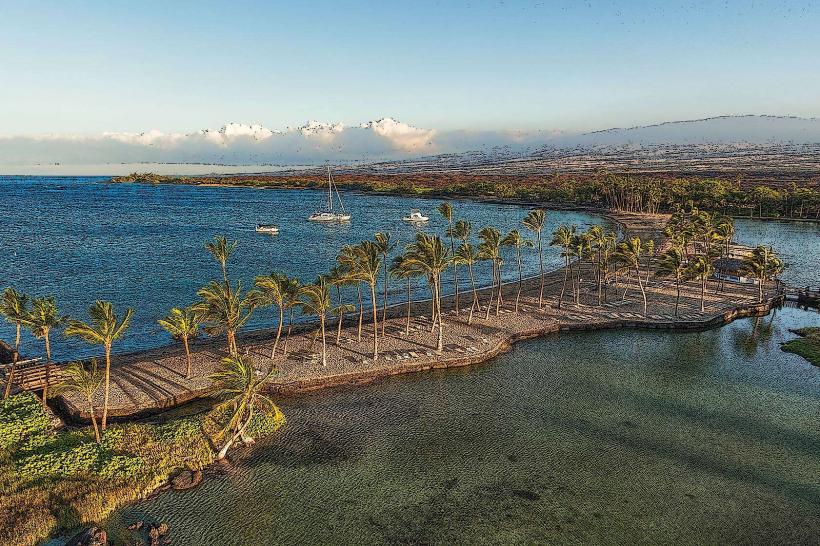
(155, 379)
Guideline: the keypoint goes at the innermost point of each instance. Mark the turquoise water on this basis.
(616, 437)
(141, 245)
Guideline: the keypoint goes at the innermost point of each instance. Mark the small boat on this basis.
(267, 228)
(416, 217)
(329, 215)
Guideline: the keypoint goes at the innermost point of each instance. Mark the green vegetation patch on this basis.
(807, 345)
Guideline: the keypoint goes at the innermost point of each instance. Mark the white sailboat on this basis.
(329, 215)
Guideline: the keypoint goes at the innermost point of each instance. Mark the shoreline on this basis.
(149, 382)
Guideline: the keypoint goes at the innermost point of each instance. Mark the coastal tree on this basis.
(315, 300)
(241, 390)
(224, 310)
(221, 249)
(84, 381)
(271, 290)
(14, 306)
(385, 247)
(446, 210)
(762, 264)
(428, 254)
(42, 320)
(339, 277)
(630, 252)
(468, 256)
(515, 240)
(104, 329)
(489, 249)
(700, 267)
(563, 237)
(183, 325)
(534, 222)
(290, 302)
(672, 263)
(401, 269)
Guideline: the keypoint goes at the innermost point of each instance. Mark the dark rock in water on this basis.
(136, 526)
(527, 495)
(93, 536)
(186, 480)
(157, 534)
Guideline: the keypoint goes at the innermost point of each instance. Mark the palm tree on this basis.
(460, 231)
(43, 319)
(338, 277)
(515, 240)
(224, 309)
(428, 255)
(598, 241)
(563, 237)
(630, 253)
(271, 290)
(446, 210)
(672, 263)
(489, 248)
(725, 229)
(14, 307)
(291, 290)
(240, 387)
(348, 258)
(221, 250)
(700, 267)
(400, 269)
(365, 267)
(385, 246)
(762, 264)
(183, 325)
(103, 329)
(316, 301)
(467, 255)
(85, 382)
(534, 222)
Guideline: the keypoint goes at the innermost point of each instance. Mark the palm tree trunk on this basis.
(239, 432)
(475, 294)
(492, 291)
(287, 336)
(702, 291)
(278, 332)
(384, 299)
(440, 342)
(564, 284)
(643, 292)
(107, 385)
(94, 419)
(409, 295)
(760, 290)
(455, 268)
(324, 342)
(375, 323)
(541, 264)
(48, 368)
(677, 299)
(361, 309)
(518, 294)
(16, 355)
(499, 298)
(187, 357)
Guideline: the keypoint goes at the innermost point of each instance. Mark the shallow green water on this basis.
(604, 437)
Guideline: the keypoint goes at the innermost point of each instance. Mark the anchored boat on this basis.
(267, 228)
(329, 215)
(416, 217)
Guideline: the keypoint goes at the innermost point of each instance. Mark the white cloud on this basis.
(402, 136)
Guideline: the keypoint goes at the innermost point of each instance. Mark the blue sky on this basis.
(89, 67)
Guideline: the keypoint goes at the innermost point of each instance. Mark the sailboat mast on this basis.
(342, 205)
(329, 190)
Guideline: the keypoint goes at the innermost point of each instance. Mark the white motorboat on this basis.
(416, 217)
(267, 228)
(330, 215)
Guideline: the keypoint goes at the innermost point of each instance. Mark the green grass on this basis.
(56, 480)
(807, 345)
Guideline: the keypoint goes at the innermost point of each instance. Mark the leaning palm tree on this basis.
(14, 307)
(240, 387)
(489, 249)
(221, 249)
(446, 210)
(224, 309)
(43, 319)
(515, 240)
(183, 325)
(291, 289)
(762, 264)
(401, 269)
(385, 247)
(271, 290)
(338, 277)
(315, 300)
(725, 230)
(563, 237)
(534, 222)
(700, 267)
(103, 329)
(672, 263)
(428, 255)
(469, 256)
(86, 383)
(348, 258)
(630, 253)
(366, 265)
